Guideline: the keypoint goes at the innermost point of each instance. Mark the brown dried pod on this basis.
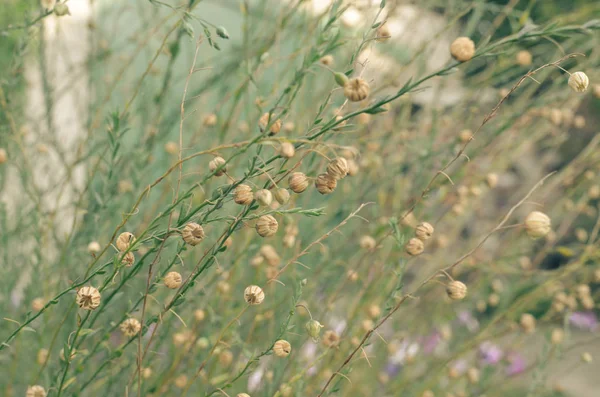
(338, 168)
(193, 234)
(462, 49)
(264, 121)
(325, 184)
(424, 231)
(456, 290)
(88, 298)
(282, 348)
(130, 327)
(243, 195)
(218, 163)
(356, 89)
(298, 182)
(254, 295)
(266, 226)
(414, 247)
(124, 241)
(173, 280)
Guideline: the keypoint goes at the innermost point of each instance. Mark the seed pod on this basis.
(325, 184)
(210, 120)
(586, 357)
(264, 197)
(289, 126)
(218, 163)
(424, 231)
(414, 247)
(35, 391)
(579, 82)
(3, 156)
(193, 234)
(456, 290)
(537, 224)
(373, 311)
(128, 259)
(367, 243)
(146, 373)
(222, 33)
(356, 89)
(181, 381)
(130, 327)
(473, 375)
(173, 280)
(124, 241)
(94, 247)
(282, 348)
(264, 121)
(331, 338)
(199, 314)
(524, 58)
(286, 390)
(282, 196)
(171, 148)
(42, 356)
(243, 195)
(298, 182)
(72, 355)
(353, 168)
(266, 226)
(243, 395)
(254, 295)
(270, 255)
(338, 168)
(383, 33)
(493, 300)
(287, 150)
(557, 337)
(491, 179)
(462, 49)
(223, 287)
(88, 298)
(38, 304)
(527, 322)
(327, 60)
(313, 327)
(61, 9)
(352, 275)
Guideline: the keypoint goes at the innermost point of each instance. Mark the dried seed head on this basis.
(223, 287)
(491, 179)
(73, 354)
(424, 231)
(331, 338)
(579, 121)
(38, 304)
(254, 295)
(264, 197)
(130, 327)
(527, 322)
(202, 343)
(353, 168)
(325, 184)
(352, 275)
(537, 224)
(338, 168)
(218, 163)
(414, 247)
(42, 356)
(373, 311)
(36, 391)
(594, 192)
(286, 390)
(586, 357)
(356, 89)
(557, 337)
(243, 395)
(199, 315)
(94, 247)
(171, 148)
(266, 226)
(579, 82)
(289, 126)
(493, 300)
(146, 373)
(181, 381)
(582, 290)
(243, 195)
(193, 234)
(462, 49)
(3, 156)
(313, 327)
(210, 120)
(264, 121)
(524, 58)
(88, 298)
(327, 60)
(427, 393)
(298, 182)
(173, 280)
(282, 348)
(128, 259)
(465, 135)
(456, 290)
(287, 150)
(282, 196)
(383, 33)
(269, 253)
(61, 9)
(473, 375)
(367, 243)
(124, 241)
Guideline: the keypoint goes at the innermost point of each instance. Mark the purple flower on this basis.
(392, 369)
(490, 353)
(584, 320)
(516, 364)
